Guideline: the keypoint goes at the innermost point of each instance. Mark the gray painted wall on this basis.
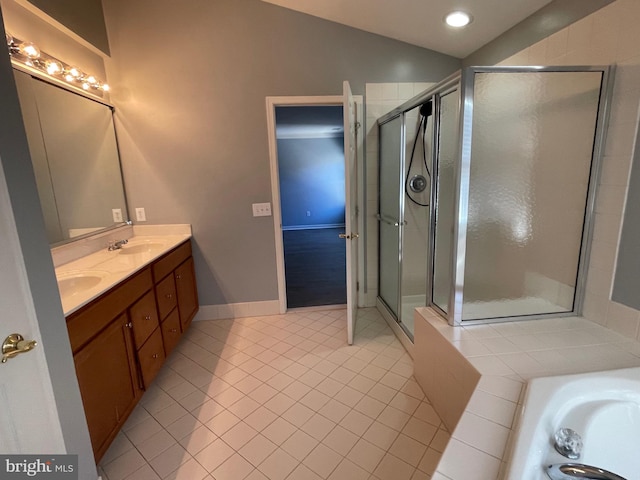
(625, 287)
(84, 17)
(190, 106)
(21, 185)
(311, 173)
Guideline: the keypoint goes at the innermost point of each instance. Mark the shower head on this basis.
(426, 109)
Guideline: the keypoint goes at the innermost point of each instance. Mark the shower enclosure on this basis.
(501, 230)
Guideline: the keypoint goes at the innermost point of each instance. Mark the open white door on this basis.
(351, 221)
(28, 417)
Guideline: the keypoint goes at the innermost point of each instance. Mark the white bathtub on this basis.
(603, 407)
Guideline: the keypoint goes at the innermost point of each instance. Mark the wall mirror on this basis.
(75, 158)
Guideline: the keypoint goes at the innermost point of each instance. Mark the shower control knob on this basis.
(568, 443)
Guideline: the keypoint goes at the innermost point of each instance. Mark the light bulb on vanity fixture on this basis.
(29, 50)
(53, 67)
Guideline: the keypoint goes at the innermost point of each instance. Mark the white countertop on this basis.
(86, 278)
(507, 355)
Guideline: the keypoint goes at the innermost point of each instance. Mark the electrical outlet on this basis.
(140, 215)
(262, 209)
(117, 215)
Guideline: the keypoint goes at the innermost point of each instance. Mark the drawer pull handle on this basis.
(174, 330)
(147, 317)
(169, 296)
(178, 276)
(130, 324)
(155, 355)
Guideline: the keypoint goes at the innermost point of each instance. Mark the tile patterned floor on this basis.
(282, 397)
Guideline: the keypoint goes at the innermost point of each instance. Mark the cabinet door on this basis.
(108, 382)
(187, 292)
(144, 317)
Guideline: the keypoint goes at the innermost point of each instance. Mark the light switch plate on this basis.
(117, 215)
(141, 216)
(262, 209)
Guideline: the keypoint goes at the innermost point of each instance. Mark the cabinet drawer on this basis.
(144, 318)
(88, 322)
(151, 357)
(171, 332)
(165, 265)
(166, 296)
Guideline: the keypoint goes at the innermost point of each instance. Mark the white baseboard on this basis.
(238, 310)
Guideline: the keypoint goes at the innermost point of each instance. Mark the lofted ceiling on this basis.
(420, 22)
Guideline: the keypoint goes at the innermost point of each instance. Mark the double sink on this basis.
(84, 279)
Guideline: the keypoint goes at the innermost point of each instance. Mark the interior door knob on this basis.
(15, 344)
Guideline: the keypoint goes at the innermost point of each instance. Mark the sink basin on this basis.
(73, 283)
(147, 247)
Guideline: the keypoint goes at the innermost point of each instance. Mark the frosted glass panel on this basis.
(532, 143)
(390, 183)
(447, 156)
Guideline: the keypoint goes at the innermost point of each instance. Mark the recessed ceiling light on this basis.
(458, 19)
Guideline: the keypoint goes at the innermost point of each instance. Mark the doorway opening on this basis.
(310, 156)
(352, 166)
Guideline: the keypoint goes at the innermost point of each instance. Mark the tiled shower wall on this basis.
(380, 98)
(608, 36)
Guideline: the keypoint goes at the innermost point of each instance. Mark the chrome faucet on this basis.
(117, 245)
(573, 471)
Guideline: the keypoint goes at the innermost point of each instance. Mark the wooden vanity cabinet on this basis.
(104, 351)
(120, 340)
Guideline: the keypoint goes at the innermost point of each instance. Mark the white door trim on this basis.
(271, 104)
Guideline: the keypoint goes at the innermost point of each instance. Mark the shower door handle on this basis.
(389, 221)
(348, 237)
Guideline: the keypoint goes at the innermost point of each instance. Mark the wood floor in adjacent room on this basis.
(282, 398)
(315, 267)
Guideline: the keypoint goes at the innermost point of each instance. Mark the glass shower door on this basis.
(389, 213)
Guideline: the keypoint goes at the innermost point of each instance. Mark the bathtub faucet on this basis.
(573, 471)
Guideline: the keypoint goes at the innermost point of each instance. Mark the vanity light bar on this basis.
(30, 55)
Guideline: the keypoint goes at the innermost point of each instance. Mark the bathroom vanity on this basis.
(126, 325)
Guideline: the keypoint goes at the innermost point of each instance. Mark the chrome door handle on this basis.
(344, 235)
(389, 221)
(15, 344)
